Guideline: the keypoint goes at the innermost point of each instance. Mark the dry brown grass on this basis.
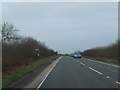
(110, 52)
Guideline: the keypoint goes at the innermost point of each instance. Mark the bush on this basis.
(20, 51)
(110, 52)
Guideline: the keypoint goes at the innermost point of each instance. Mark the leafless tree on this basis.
(8, 32)
(18, 51)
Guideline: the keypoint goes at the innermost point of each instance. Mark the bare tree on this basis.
(18, 51)
(8, 32)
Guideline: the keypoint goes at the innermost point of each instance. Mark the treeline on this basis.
(18, 50)
(110, 52)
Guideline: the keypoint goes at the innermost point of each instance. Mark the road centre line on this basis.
(48, 73)
(117, 82)
(95, 71)
(79, 62)
(76, 61)
(89, 67)
(82, 64)
(107, 77)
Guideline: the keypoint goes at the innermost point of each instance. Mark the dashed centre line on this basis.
(82, 64)
(107, 77)
(89, 67)
(118, 82)
(96, 71)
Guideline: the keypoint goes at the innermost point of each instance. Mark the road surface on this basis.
(81, 73)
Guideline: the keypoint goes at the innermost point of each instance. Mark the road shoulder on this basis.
(33, 79)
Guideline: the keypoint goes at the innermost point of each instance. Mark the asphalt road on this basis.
(81, 73)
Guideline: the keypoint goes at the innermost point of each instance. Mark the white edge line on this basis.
(117, 82)
(48, 73)
(96, 71)
(103, 63)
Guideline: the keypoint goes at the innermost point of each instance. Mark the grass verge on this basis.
(0, 83)
(24, 70)
(106, 60)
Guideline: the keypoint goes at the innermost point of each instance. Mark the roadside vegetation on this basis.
(21, 55)
(21, 71)
(107, 54)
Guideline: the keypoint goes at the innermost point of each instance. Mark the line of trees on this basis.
(110, 52)
(18, 50)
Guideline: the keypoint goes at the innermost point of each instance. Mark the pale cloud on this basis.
(65, 27)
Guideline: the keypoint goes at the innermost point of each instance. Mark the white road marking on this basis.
(107, 77)
(117, 82)
(96, 71)
(103, 63)
(82, 64)
(48, 73)
(76, 61)
(90, 68)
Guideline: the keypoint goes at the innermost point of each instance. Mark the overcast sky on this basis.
(65, 27)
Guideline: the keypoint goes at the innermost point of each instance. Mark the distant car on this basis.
(77, 56)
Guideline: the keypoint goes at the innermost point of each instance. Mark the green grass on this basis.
(0, 83)
(106, 60)
(24, 70)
